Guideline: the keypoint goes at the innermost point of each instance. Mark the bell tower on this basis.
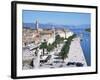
(37, 26)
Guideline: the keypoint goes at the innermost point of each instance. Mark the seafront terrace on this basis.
(52, 59)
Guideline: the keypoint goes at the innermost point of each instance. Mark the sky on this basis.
(62, 18)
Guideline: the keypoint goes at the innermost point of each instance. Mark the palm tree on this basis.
(50, 47)
(65, 49)
(43, 46)
(58, 39)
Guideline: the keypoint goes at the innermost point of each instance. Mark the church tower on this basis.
(37, 25)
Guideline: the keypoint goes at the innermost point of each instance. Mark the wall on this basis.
(5, 40)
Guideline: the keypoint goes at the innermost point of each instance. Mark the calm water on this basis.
(85, 43)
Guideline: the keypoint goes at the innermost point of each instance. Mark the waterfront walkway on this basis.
(76, 53)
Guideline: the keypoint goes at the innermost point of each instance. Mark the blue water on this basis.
(85, 43)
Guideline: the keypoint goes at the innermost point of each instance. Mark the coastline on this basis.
(76, 53)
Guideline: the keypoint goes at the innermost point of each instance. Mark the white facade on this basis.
(50, 40)
(68, 34)
(65, 34)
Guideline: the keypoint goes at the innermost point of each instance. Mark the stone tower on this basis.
(37, 25)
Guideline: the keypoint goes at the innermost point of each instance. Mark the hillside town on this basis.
(51, 48)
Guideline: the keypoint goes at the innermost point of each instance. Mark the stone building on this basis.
(38, 35)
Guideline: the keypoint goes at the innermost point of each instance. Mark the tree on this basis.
(58, 39)
(50, 47)
(65, 49)
(62, 39)
(43, 46)
(71, 37)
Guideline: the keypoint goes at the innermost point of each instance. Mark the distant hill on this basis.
(88, 29)
(44, 26)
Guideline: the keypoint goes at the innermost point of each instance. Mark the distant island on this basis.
(88, 30)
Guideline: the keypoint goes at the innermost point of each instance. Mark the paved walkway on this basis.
(76, 53)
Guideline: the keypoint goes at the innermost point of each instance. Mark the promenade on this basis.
(76, 53)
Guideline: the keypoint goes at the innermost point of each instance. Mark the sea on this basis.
(85, 43)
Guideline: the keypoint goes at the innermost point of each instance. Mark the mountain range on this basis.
(49, 26)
